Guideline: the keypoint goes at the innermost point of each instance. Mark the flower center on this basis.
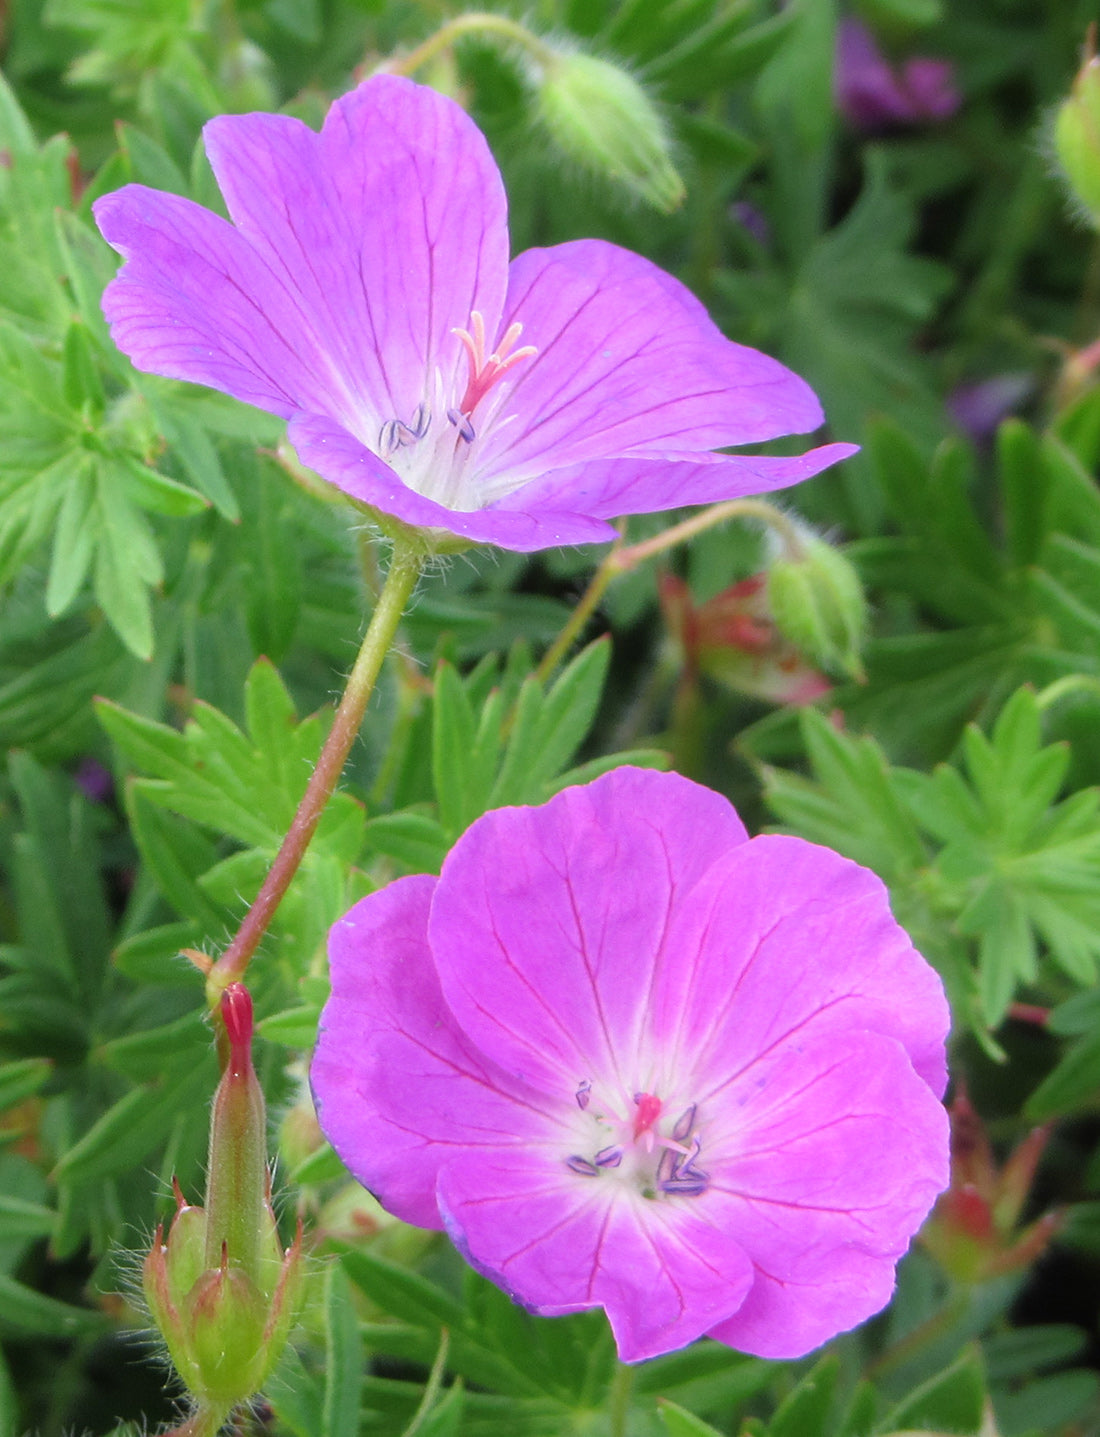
(643, 1149)
(434, 458)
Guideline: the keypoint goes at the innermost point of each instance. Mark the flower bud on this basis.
(818, 603)
(221, 1290)
(1077, 135)
(600, 116)
(733, 639)
(973, 1230)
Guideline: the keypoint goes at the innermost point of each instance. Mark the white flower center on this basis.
(434, 449)
(647, 1149)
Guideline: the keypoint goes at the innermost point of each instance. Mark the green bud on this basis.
(220, 1289)
(600, 116)
(1077, 135)
(817, 601)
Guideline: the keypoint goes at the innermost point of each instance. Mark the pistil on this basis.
(485, 370)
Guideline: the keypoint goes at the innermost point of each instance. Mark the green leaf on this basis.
(344, 1358)
(22, 1220)
(27, 1313)
(414, 840)
(130, 1130)
(126, 561)
(464, 752)
(75, 538)
(550, 727)
(952, 1401)
(155, 955)
(22, 1079)
(405, 1294)
(805, 1412)
(294, 1027)
(156, 492)
(679, 1422)
(1073, 1085)
(296, 1396)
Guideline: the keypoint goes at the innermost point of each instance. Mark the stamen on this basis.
(609, 1157)
(395, 433)
(684, 1124)
(462, 424)
(584, 1094)
(582, 1167)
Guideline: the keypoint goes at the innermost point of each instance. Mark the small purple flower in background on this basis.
(631, 1059)
(978, 407)
(363, 292)
(873, 95)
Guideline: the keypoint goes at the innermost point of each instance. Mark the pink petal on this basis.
(791, 934)
(608, 488)
(832, 1154)
(664, 1277)
(194, 301)
(549, 923)
(390, 227)
(628, 362)
(399, 1089)
(326, 446)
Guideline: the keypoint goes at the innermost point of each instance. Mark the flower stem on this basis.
(203, 1422)
(618, 1400)
(404, 571)
(621, 558)
(476, 23)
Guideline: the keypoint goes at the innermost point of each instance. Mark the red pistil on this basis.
(649, 1110)
(485, 370)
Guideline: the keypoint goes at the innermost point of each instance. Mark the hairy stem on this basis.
(621, 558)
(618, 1400)
(203, 1422)
(404, 571)
(476, 23)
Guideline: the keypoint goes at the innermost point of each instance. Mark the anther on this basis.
(582, 1167)
(609, 1157)
(462, 424)
(584, 1094)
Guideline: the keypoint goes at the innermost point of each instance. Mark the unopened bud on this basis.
(817, 601)
(1077, 135)
(601, 117)
(220, 1289)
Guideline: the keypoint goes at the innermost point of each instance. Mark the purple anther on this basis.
(687, 1184)
(581, 1166)
(389, 437)
(421, 421)
(684, 1124)
(609, 1157)
(462, 424)
(584, 1094)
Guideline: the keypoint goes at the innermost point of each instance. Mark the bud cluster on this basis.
(221, 1289)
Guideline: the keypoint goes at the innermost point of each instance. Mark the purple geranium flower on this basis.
(363, 292)
(630, 1059)
(873, 95)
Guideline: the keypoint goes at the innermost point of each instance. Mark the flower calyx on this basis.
(973, 1230)
(220, 1288)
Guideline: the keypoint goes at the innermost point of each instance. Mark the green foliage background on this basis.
(178, 607)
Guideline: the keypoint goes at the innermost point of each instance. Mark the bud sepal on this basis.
(220, 1289)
